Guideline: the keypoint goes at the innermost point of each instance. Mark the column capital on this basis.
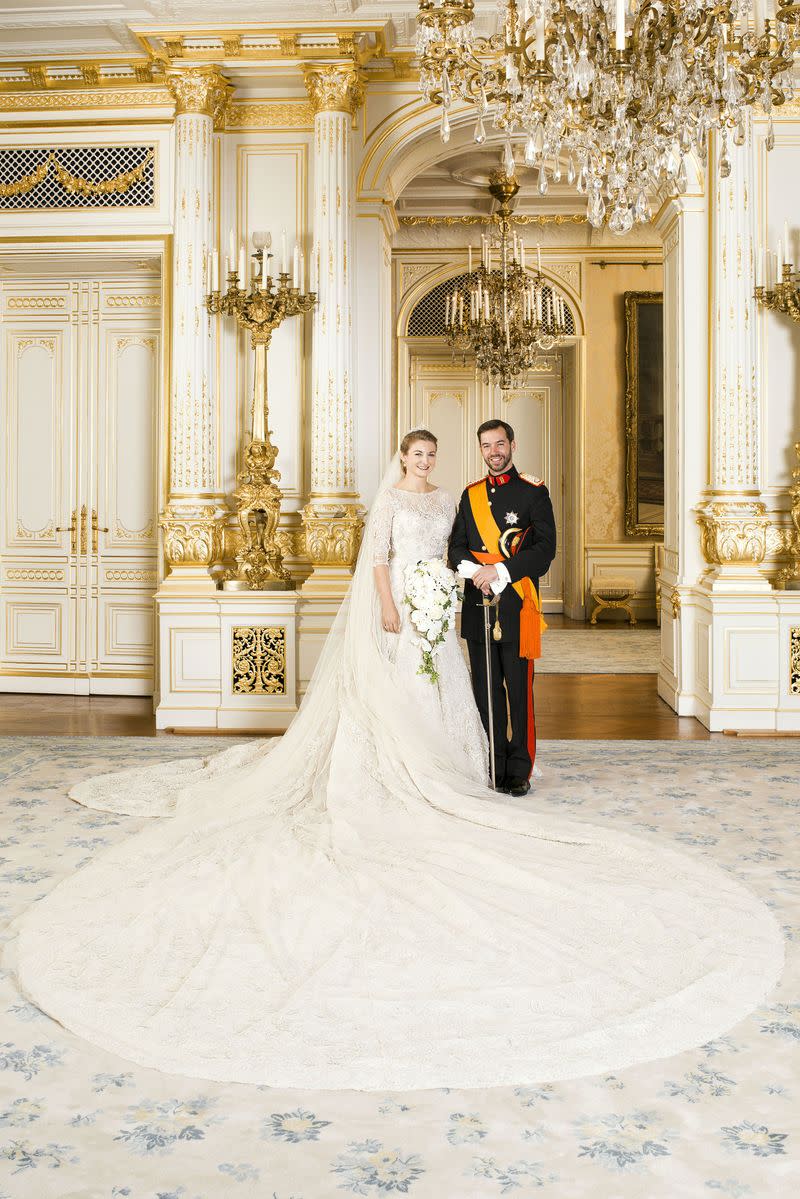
(733, 531)
(335, 88)
(201, 90)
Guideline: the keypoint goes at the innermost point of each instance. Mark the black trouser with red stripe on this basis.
(511, 675)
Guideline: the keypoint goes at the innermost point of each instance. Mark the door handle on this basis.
(72, 529)
(96, 529)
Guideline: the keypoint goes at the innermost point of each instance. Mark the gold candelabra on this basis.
(261, 309)
(782, 295)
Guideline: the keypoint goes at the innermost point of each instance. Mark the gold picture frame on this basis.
(644, 414)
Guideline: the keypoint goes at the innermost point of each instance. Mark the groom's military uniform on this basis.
(506, 519)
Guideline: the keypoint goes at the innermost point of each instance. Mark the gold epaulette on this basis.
(532, 479)
(475, 484)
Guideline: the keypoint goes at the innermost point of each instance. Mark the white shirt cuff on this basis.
(467, 569)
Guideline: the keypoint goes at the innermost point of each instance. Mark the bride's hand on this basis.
(390, 618)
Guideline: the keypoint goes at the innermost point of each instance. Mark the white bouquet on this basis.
(431, 594)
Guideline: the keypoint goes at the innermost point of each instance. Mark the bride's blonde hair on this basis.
(416, 435)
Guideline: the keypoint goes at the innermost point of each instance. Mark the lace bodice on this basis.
(409, 526)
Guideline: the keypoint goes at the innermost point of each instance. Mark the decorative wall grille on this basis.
(427, 316)
(77, 177)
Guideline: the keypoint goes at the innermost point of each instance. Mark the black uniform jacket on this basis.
(520, 503)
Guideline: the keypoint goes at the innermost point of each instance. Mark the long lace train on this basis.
(349, 906)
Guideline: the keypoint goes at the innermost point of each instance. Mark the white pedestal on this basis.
(228, 661)
(733, 657)
(215, 653)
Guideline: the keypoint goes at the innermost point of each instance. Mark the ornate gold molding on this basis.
(794, 661)
(479, 219)
(200, 90)
(338, 88)
(90, 98)
(270, 114)
(333, 532)
(733, 532)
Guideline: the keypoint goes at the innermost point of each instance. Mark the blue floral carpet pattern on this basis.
(718, 1121)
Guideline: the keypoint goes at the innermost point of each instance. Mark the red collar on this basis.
(495, 480)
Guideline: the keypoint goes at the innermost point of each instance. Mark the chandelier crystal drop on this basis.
(504, 316)
(624, 89)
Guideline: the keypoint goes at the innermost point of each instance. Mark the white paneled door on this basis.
(447, 398)
(81, 367)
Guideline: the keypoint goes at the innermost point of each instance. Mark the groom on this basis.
(503, 541)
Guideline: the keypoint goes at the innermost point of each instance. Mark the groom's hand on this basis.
(484, 577)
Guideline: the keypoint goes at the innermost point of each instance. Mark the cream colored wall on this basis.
(604, 307)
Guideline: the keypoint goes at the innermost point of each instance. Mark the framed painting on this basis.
(644, 414)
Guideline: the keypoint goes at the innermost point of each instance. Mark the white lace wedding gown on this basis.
(350, 906)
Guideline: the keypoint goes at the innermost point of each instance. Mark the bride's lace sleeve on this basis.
(381, 529)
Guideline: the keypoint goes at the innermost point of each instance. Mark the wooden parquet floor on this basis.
(568, 706)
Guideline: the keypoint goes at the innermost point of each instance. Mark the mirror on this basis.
(644, 413)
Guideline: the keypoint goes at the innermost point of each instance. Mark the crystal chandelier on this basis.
(504, 316)
(619, 91)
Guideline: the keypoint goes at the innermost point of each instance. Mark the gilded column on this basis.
(190, 532)
(333, 517)
(733, 518)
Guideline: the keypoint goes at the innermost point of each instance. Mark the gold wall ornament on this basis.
(191, 535)
(258, 498)
(202, 90)
(337, 88)
(675, 603)
(21, 187)
(259, 660)
(73, 184)
(332, 532)
(557, 218)
(789, 575)
(733, 532)
(794, 661)
(121, 183)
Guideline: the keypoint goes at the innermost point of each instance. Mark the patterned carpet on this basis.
(622, 650)
(721, 1120)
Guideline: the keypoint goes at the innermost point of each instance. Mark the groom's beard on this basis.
(497, 469)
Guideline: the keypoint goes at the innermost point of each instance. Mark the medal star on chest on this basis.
(512, 518)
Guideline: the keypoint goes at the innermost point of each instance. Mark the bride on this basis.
(351, 906)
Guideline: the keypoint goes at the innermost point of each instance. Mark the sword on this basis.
(488, 603)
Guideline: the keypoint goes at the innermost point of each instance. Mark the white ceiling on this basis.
(63, 28)
(458, 186)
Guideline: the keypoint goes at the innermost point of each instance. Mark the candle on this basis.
(539, 259)
(522, 253)
(241, 264)
(761, 272)
(786, 241)
(215, 270)
(779, 268)
(296, 267)
(283, 252)
(302, 283)
(461, 309)
(540, 39)
(469, 259)
(447, 312)
(231, 248)
(620, 42)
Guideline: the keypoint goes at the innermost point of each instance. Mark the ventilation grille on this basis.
(77, 177)
(427, 317)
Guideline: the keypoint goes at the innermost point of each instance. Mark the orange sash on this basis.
(531, 620)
